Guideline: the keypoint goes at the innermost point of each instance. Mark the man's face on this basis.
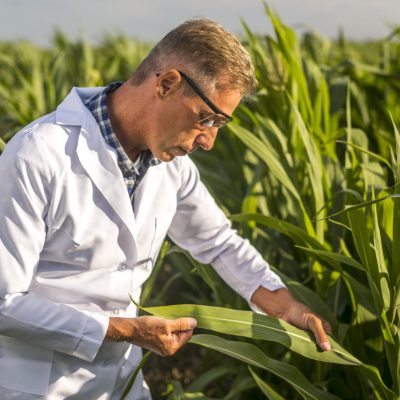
(176, 130)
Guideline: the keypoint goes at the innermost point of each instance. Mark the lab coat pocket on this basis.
(82, 248)
(152, 238)
(161, 226)
(24, 368)
(150, 241)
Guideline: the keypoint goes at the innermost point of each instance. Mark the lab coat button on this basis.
(107, 362)
(115, 311)
(122, 267)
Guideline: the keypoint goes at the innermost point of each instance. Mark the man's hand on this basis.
(281, 304)
(162, 336)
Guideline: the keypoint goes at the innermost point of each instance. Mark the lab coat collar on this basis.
(98, 162)
(97, 159)
(94, 154)
(69, 112)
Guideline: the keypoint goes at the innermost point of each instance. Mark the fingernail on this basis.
(325, 346)
(192, 323)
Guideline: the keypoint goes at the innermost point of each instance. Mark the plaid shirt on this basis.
(133, 172)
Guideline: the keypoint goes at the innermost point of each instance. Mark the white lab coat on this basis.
(72, 250)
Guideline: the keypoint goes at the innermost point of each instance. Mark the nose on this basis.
(206, 138)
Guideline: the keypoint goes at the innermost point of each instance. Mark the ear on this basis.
(167, 83)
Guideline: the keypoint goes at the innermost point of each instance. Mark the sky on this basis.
(149, 20)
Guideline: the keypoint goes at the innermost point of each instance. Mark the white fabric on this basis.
(72, 249)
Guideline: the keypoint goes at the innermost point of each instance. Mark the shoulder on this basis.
(42, 144)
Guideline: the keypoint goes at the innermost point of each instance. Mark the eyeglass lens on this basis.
(213, 121)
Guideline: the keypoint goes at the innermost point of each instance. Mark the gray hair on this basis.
(208, 53)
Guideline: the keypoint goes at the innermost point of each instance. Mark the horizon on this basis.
(37, 21)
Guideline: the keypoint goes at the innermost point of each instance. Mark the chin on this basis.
(169, 155)
(164, 157)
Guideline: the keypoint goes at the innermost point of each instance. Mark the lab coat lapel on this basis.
(94, 155)
(146, 193)
(103, 170)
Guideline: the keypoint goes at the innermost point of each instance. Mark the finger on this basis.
(315, 326)
(183, 324)
(175, 341)
(327, 327)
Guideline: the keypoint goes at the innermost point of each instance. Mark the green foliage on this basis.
(309, 171)
(255, 326)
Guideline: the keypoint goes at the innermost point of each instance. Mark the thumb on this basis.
(183, 324)
(183, 337)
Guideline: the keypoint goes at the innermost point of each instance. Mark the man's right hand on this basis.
(162, 336)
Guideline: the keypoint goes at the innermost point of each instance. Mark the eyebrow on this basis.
(201, 109)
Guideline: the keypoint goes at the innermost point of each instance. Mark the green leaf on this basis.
(370, 153)
(269, 392)
(240, 384)
(372, 373)
(383, 275)
(175, 391)
(360, 232)
(395, 267)
(2, 145)
(134, 375)
(297, 234)
(315, 164)
(267, 156)
(210, 375)
(362, 205)
(330, 256)
(256, 326)
(251, 354)
(358, 224)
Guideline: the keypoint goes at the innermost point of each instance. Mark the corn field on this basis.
(309, 172)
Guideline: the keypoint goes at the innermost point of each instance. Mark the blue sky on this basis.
(150, 19)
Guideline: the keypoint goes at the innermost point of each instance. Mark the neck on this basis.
(128, 118)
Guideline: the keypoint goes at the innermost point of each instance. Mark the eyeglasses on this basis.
(216, 120)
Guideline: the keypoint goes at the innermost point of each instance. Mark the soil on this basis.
(184, 366)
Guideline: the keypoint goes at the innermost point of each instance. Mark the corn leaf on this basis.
(251, 354)
(362, 205)
(335, 257)
(297, 234)
(315, 163)
(269, 392)
(267, 156)
(381, 262)
(210, 375)
(370, 153)
(175, 391)
(358, 224)
(256, 326)
(395, 265)
(134, 375)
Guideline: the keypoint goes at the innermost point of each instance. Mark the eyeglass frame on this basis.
(206, 100)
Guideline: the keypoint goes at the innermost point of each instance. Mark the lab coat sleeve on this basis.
(201, 227)
(27, 179)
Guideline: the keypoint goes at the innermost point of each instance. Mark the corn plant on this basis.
(309, 172)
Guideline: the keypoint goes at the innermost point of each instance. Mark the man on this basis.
(89, 193)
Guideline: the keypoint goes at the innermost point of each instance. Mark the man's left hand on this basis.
(281, 304)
